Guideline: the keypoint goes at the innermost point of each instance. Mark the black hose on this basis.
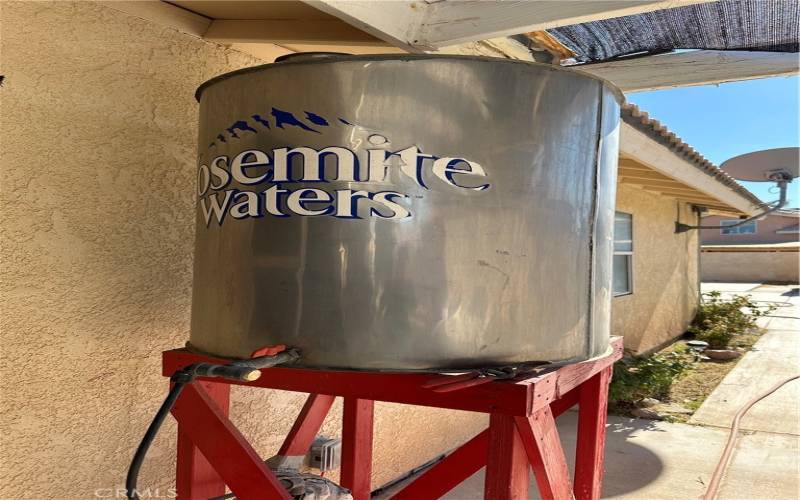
(245, 370)
(180, 379)
(284, 357)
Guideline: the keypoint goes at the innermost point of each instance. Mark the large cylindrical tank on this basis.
(405, 212)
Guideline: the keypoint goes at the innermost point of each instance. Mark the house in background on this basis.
(763, 250)
(656, 279)
(780, 226)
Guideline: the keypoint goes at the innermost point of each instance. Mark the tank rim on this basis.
(620, 97)
(537, 364)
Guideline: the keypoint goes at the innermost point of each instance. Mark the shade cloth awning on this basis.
(755, 25)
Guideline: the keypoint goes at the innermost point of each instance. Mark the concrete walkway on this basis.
(775, 356)
(647, 460)
(771, 429)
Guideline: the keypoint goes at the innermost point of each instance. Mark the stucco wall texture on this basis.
(665, 275)
(751, 267)
(99, 127)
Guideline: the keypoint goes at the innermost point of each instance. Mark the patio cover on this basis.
(754, 25)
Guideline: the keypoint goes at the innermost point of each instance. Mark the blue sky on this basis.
(723, 121)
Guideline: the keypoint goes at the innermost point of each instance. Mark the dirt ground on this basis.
(694, 386)
(691, 388)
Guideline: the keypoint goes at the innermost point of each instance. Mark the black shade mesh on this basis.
(759, 25)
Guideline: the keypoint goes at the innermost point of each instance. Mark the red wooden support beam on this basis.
(571, 376)
(226, 450)
(543, 448)
(307, 425)
(563, 404)
(592, 415)
(507, 464)
(522, 429)
(196, 479)
(451, 471)
(357, 421)
(557, 381)
(509, 397)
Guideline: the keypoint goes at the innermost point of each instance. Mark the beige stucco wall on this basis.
(751, 267)
(98, 143)
(665, 277)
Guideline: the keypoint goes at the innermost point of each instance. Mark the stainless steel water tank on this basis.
(405, 212)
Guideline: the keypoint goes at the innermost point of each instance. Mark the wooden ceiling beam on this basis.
(393, 22)
(652, 182)
(634, 167)
(699, 201)
(695, 197)
(685, 191)
(697, 67)
(641, 172)
(300, 31)
(638, 174)
(421, 26)
(625, 161)
(645, 174)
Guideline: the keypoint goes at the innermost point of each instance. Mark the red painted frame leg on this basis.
(226, 450)
(592, 416)
(465, 461)
(357, 422)
(506, 464)
(307, 425)
(543, 448)
(196, 479)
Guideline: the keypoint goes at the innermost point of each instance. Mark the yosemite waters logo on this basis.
(266, 178)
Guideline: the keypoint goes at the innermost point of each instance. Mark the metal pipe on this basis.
(783, 184)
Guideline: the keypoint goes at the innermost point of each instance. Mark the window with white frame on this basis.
(749, 228)
(623, 254)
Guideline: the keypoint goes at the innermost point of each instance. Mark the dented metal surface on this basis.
(405, 212)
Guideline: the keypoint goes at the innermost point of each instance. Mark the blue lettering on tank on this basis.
(261, 120)
(285, 118)
(240, 125)
(316, 119)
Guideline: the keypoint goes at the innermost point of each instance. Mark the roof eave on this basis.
(651, 144)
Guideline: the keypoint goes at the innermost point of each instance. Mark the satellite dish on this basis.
(764, 166)
(779, 165)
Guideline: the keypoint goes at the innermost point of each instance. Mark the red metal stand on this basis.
(522, 433)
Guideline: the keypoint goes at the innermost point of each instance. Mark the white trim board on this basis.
(645, 150)
(697, 67)
(421, 26)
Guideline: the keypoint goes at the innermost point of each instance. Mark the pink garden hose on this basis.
(716, 478)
